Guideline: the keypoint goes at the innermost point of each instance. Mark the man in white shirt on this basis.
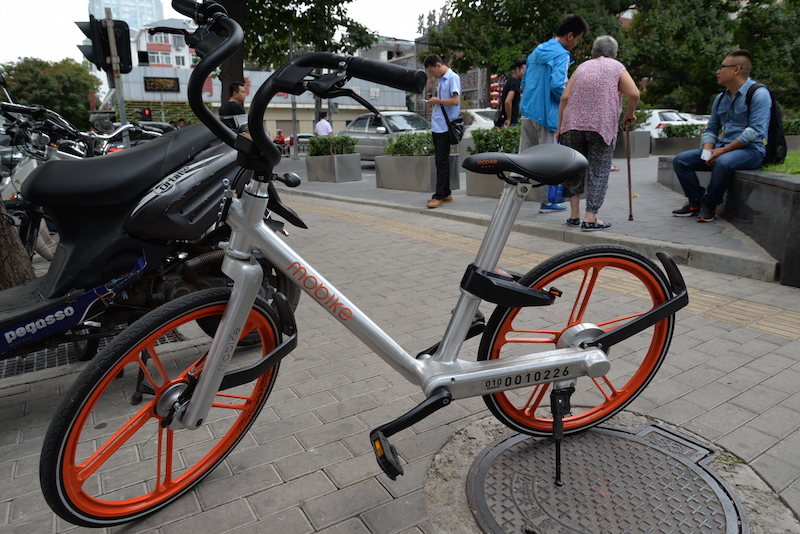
(449, 91)
(323, 127)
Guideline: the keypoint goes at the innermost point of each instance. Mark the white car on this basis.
(477, 118)
(661, 117)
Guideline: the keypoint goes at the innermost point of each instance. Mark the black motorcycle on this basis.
(137, 228)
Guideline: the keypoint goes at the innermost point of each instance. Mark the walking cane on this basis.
(628, 155)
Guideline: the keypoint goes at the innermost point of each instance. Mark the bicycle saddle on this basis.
(549, 164)
(115, 178)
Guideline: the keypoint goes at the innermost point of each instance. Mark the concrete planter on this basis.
(640, 145)
(489, 185)
(793, 142)
(670, 146)
(412, 173)
(338, 168)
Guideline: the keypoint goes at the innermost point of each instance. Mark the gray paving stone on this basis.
(788, 449)
(345, 408)
(220, 519)
(345, 503)
(360, 388)
(351, 526)
(776, 471)
(285, 427)
(747, 443)
(43, 524)
(321, 435)
(726, 418)
(398, 515)
(220, 491)
(292, 521)
(311, 460)
(185, 507)
(679, 411)
(242, 460)
(348, 472)
(304, 404)
(293, 494)
(778, 422)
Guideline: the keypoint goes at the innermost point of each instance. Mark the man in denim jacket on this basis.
(733, 139)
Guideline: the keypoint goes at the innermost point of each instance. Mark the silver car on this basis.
(372, 133)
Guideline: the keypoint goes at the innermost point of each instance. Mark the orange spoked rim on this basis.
(588, 283)
(119, 460)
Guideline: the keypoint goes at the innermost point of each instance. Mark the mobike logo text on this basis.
(320, 292)
(34, 326)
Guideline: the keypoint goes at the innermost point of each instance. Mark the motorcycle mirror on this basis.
(290, 179)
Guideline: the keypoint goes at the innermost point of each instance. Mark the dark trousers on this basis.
(441, 147)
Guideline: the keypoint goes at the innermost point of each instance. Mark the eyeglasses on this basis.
(725, 66)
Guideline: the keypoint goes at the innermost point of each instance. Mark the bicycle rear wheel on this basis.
(106, 458)
(602, 285)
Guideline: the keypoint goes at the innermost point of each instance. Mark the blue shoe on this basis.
(546, 207)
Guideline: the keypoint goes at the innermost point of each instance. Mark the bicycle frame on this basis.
(442, 369)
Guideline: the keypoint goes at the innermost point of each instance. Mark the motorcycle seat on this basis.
(115, 178)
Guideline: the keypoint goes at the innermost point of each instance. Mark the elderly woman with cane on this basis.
(588, 121)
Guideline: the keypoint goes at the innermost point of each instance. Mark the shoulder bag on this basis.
(455, 128)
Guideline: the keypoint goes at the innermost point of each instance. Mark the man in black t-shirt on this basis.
(232, 113)
(509, 102)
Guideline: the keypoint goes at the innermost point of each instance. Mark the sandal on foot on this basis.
(591, 226)
(574, 222)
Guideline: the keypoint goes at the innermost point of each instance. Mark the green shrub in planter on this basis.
(684, 130)
(791, 126)
(331, 146)
(411, 144)
(495, 140)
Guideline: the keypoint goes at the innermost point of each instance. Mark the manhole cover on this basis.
(615, 481)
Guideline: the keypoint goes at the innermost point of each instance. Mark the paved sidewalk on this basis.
(732, 377)
(716, 246)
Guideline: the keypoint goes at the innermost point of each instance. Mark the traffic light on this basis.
(99, 51)
(145, 114)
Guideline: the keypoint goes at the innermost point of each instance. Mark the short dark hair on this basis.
(742, 53)
(432, 60)
(234, 88)
(323, 114)
(574, 24)
(518, 63)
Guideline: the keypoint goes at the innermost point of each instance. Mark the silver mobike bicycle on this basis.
(591, 326)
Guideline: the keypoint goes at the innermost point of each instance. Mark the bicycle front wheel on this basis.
(109, 456)
(604, 286)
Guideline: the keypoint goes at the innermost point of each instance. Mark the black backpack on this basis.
(776, 142)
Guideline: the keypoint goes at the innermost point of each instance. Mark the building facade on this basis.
(137, 13)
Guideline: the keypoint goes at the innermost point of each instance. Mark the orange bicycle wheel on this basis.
(109, 455)
(603, 286)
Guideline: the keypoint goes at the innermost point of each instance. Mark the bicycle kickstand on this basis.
(560, 406)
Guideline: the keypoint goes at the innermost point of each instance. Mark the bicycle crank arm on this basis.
(657, 314)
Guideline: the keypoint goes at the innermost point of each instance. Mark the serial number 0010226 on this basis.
(528, 378)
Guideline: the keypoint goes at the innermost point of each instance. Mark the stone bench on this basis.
(763, 205)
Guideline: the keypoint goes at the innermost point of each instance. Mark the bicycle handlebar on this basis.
(290, 78)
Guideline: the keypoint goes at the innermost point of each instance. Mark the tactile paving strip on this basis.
(650, 480)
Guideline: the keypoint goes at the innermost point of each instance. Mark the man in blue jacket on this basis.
(542, 85)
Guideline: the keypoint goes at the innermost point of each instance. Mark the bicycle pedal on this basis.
(386, 455)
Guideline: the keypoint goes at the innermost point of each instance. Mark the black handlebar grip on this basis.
(187, 8)
(411, 80)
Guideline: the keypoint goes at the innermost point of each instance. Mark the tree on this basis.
(15, 267)
(678, 46)
(768, 29)
(61, 86)
(316, 25)
(493, 34)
